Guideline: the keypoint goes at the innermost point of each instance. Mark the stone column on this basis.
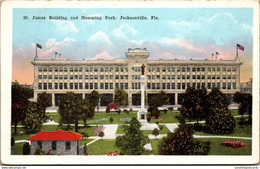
(53, 99)
(130, 103)
(176, 99)
(35, 96)
(142, 92)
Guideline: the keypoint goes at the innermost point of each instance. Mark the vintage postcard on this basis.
(129, 82)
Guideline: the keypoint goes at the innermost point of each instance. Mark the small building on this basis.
(59, 142)
(247, 87)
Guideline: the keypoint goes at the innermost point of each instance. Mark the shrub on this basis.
(131, 110)
(197, 127)
(111, 119)
(157, 122)
(101, 134)
(107, 110)
(148, 119)
(118, 111)
(170, 108)
(220, 122)
(201, 148)
(125, 110)
(165, 111)
(160, 127)
(155, 132)
(26, 149)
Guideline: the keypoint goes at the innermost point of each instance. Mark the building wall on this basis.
(60, 149)
(171, 76)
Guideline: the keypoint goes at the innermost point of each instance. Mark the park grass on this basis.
(239, 131)
(50, 127)
(19, 135)
(165, 130)
(55, 117)
(102, 147)
(17, 149)
(169, 117)
(215, 146)
(83, 141)
(217, 149)
(155, 145)
(88, 130)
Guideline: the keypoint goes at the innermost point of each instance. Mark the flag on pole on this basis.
(38, 46)
(240, 47)
(56, 53)
(59, 54)
(217, 53)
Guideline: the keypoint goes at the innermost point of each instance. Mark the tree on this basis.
(153, 107)
(220, 122)
(20, 102)
(182, 142)
(33, 119)
(194, 104)
(87, 111)
(155, 132)
(132, 143)
(26, 149)
(94, 98)
(44, 100)
(101, 134)
(245, 101)
(220, 119)
(163, 98)
(120, 98)
(70, 109)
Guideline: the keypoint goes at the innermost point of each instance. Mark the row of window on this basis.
(81, 77)
(187, 85)
(136, 77)
(80, 69)
(193, 69)
(190, 76)
(54, 145)
(135, 69)
(76, 86)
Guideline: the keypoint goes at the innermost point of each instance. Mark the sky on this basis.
(181, 33)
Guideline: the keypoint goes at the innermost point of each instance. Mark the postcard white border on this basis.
(6, 68)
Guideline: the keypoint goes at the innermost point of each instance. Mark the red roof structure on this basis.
(56, 135)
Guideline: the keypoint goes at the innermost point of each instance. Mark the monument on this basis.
(141, 115)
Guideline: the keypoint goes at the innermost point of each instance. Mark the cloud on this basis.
(168, 56)
(103, 56)
(124, 31)
(100, 36)
(65, 25)
(52, 45)
(137, 42)
(182, 43)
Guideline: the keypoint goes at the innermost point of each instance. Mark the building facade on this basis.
(56, 77)
(247, 87)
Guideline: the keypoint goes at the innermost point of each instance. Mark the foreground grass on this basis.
(239, 131)
(217, 149)
(102, 147)
(17, 149)
(169, 117)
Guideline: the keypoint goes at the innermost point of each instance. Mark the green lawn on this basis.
(120, 130)
(89, 130)
(169, 117)
(244, 131)
(55, 116)
(217, 149)
(50, 127)
(155, 145)
(17, 149)
(102, 147)
(83, 141)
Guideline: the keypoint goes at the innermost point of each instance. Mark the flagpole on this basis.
(36, 50)
(237, 52)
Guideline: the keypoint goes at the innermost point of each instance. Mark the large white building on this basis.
(56, 77)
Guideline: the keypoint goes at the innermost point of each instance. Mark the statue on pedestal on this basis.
(143, 66)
